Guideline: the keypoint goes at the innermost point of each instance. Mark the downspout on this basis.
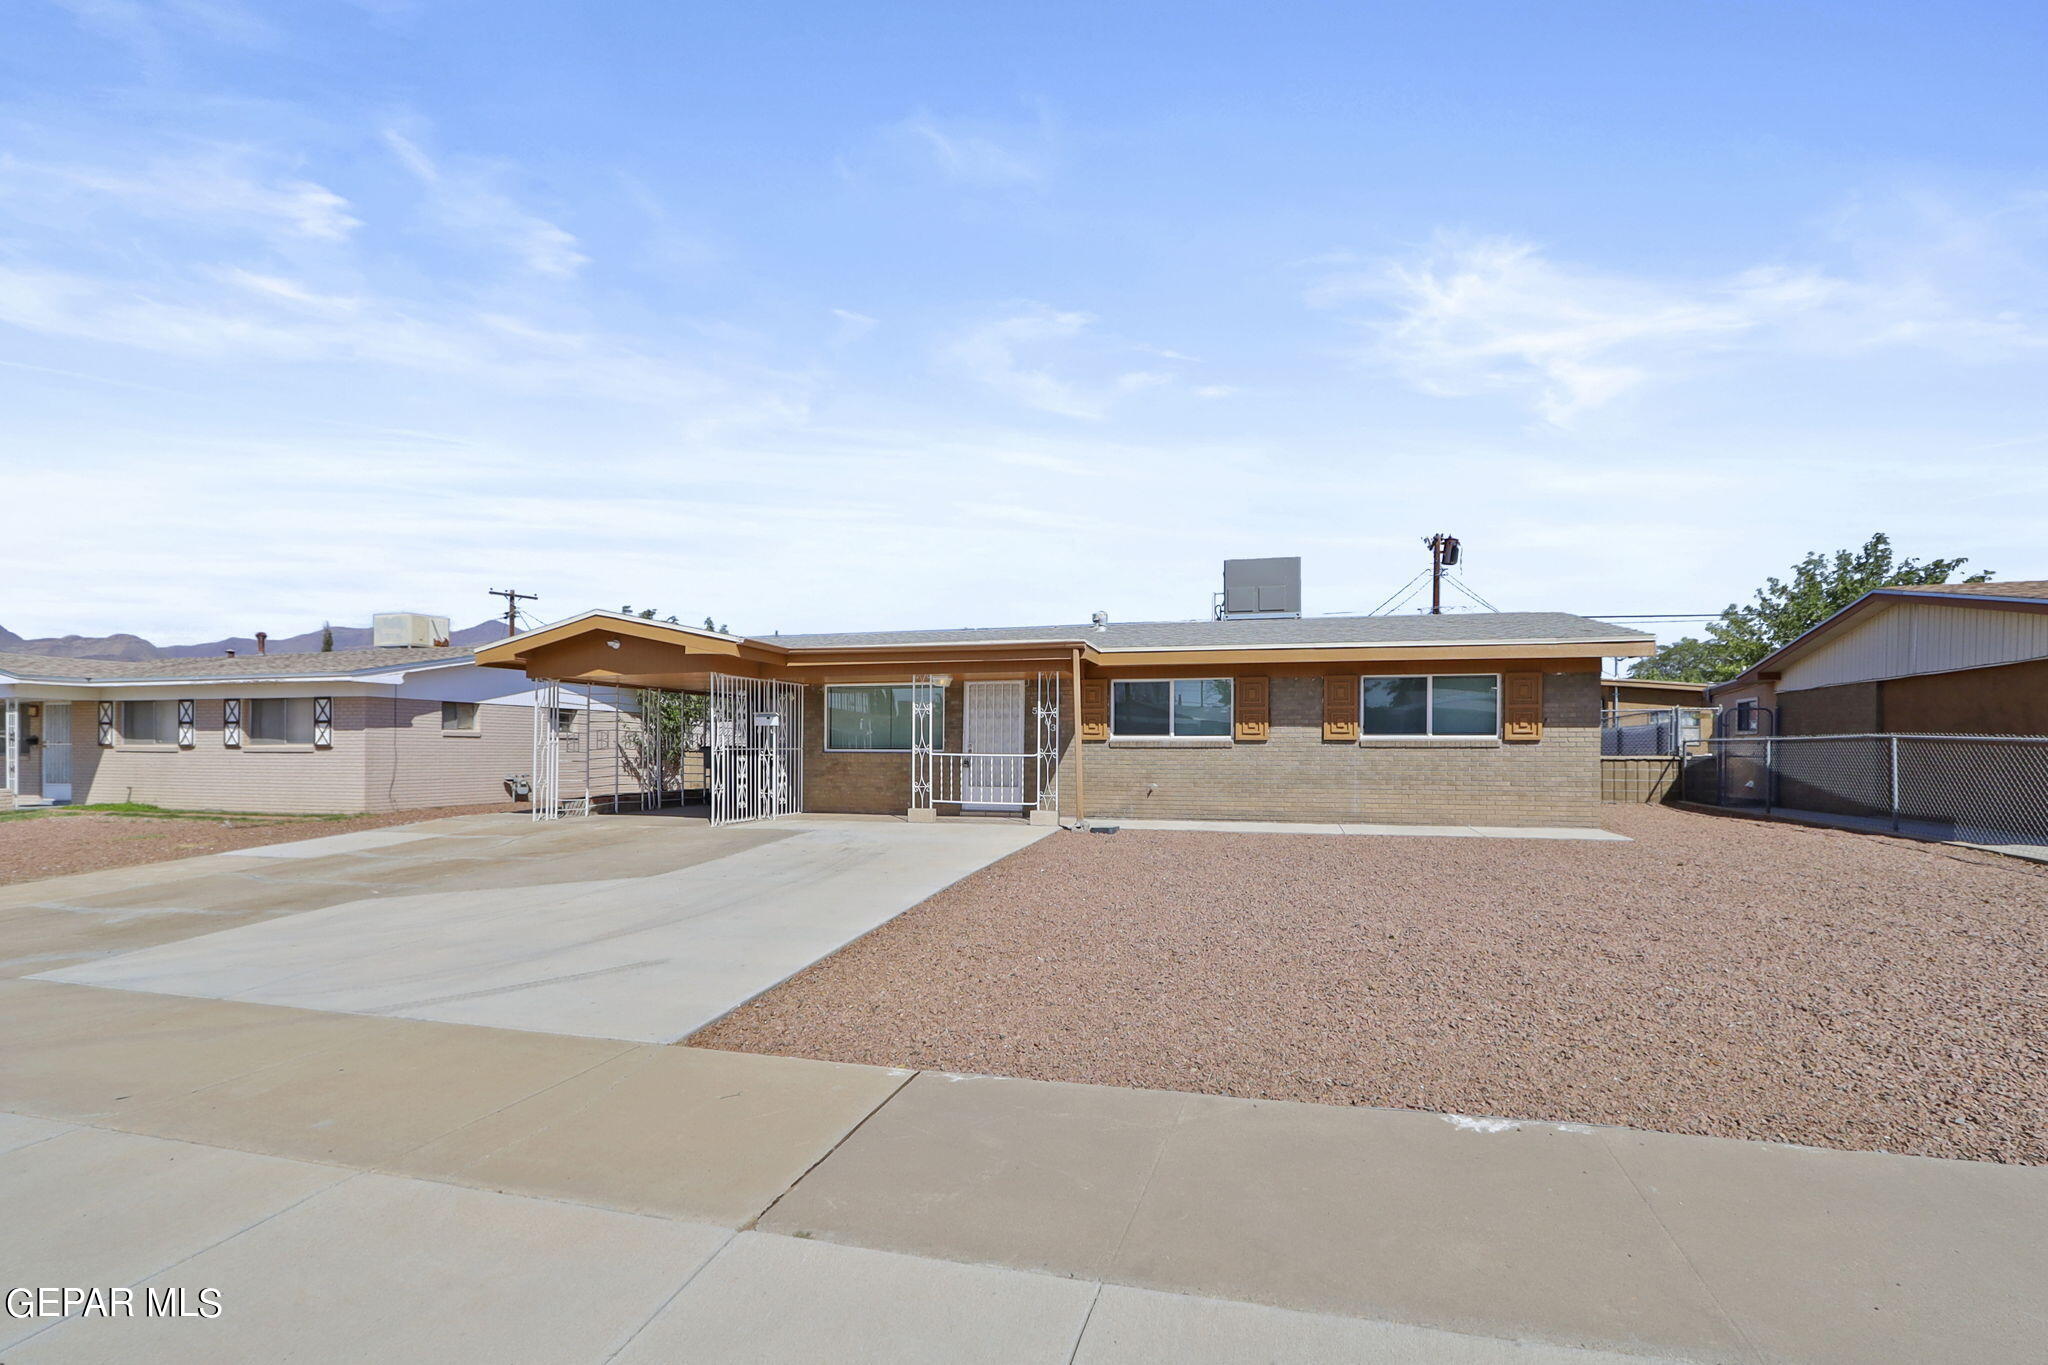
(1080, 768)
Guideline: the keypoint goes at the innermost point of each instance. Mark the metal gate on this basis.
(755, 732)
(545, 796)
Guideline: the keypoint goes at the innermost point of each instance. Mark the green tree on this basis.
(1782, 610)
(326, 638)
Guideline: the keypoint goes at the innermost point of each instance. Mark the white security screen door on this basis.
(57, 750)
(992, 774)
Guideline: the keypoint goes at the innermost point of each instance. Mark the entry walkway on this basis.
(643, 928)
(401, 1190)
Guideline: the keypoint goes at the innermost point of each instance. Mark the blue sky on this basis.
(844, 316)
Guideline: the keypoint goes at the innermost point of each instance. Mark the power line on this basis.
(512, 600)
(1458, 581)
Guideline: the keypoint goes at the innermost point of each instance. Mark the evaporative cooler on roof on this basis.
(1262, 587)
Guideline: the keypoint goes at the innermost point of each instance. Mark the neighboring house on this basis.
(1947, 658)
(1469, 718)
(348, 731)
(1632, 694)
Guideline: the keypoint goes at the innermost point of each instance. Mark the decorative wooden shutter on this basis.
(1253, 712)
(323, 722)
(106, 724)
(1340, 708)
(1094, 709)
(1522, 707)
(186, 724)
(231, 722)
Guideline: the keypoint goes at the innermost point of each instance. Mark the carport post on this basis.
(1080, 769)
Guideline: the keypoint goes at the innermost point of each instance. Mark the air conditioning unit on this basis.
(408, 630)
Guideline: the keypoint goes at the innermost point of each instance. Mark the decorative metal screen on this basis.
(323, 722)
(13, 738)
(231, 722)
(546, 780)
(187, 726)
(106, 724)
(755, 732)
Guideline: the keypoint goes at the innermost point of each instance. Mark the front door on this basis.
(57, 750)
(992, 773)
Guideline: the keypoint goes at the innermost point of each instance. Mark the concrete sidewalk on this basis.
(348, 1173)
(637, 928)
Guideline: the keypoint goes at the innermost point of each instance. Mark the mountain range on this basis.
(136, 648)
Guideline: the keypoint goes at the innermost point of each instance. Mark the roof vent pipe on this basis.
(231, 654)
(1101, 620)
(262, 642)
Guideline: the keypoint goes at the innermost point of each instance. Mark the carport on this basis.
(972, 727)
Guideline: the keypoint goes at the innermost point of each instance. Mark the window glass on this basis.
(1463, 706)
(877, 717)
(1141, 708)
(279, 720)
(1394, 706)
(565, 721)
(1201, 706)
(147, 722)
(458, 715)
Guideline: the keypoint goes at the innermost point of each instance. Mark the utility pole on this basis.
(512, 601)
(1443, 554)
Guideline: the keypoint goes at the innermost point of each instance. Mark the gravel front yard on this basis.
(1717, 976)
(57, 843)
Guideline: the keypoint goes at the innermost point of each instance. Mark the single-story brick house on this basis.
(1469, 718)
(343, 732)
(1940, 658)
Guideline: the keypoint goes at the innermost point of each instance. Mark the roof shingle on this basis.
(254, 667)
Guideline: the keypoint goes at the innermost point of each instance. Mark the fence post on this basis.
(1895, 782)
(1770, 771)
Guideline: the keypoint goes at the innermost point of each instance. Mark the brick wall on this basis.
(290, 779)
(411, 762)
(1295, 775)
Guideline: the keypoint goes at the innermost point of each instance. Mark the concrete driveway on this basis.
(642, 928)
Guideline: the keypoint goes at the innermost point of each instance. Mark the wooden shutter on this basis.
(323, 722)
(1094, 708)
(1522, 707)
(1253, 711)
(106, 724)
(231, 722)
(187, 722)
(1340, 708)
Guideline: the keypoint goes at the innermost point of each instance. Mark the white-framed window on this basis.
(875, 718)
(278, 720)
(458, 716)
(1171, 708)
(149, 722)
(1429, 706)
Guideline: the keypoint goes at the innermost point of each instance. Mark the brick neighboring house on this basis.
(350, 731)
(1944, 658)
(1467, 718)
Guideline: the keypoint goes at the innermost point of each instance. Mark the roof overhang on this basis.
(1771, 666)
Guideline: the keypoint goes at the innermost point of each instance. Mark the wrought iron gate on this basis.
(545, 782)
(755, 731)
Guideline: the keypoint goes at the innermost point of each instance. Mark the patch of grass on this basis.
(144, 810)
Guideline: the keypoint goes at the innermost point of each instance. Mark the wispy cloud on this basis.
(1482, 315)
(467, 202)
(1053, 361)
(976, 155)
(222, 186)
(1492, 314)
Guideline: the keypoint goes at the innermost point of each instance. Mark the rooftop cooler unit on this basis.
(1260, 587)
(408, 629)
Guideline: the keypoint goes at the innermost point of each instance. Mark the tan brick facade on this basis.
(1298, 775)
(1295, 774)
(389, 753)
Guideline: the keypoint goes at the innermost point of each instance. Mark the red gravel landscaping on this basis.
(57, 843)
(1716, 976)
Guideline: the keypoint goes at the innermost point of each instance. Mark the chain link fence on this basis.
(1654, 731)
(1979, 789)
